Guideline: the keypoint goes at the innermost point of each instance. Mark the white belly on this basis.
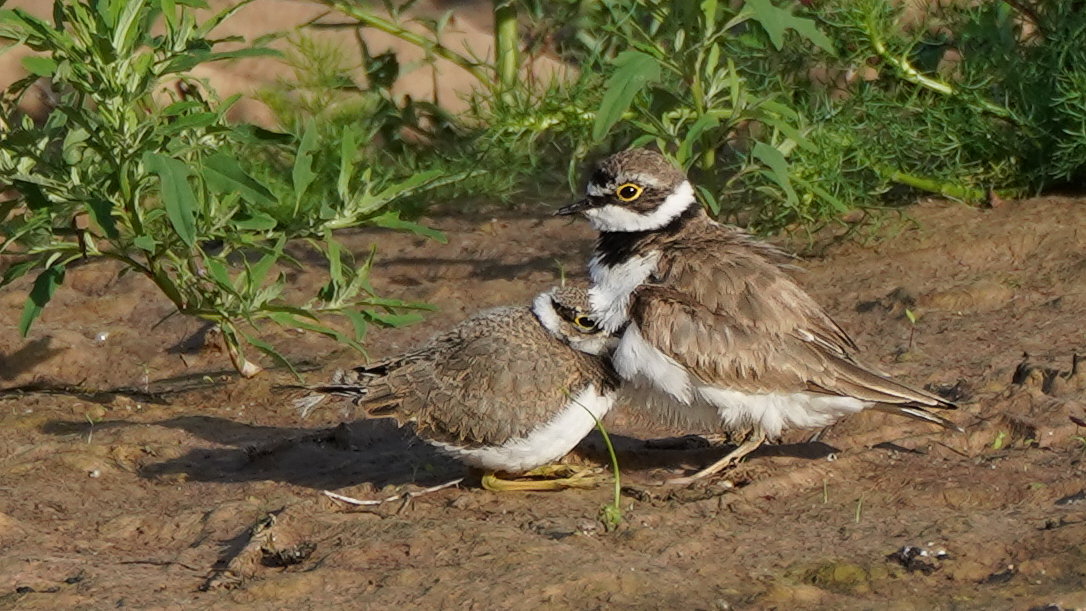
(684, 398)
(545, 444)
(609, 296)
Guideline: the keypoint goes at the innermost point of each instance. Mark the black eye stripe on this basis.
(565, 313)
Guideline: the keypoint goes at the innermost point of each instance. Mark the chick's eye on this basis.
(628, 192)
(584, 321)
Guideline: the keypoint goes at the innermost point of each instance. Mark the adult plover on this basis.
(712, 330)
(509, 390)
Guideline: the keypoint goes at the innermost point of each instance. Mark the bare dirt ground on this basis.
(191, 489)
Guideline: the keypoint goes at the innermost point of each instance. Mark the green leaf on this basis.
(18, 270)
(359, 321)
(177, 195)
(181, 106)
(101, 211)
(257, 273)
(252, 134)
(73, 147)
(286, 320)
(347, 151)
(778, 166)
(335, 260)
(191, 122)
(224, 175)
(392, 220)
(128, 24)
(44, 287)
(416, 182)
(686, 149)
(253, 221)
(303, 173)
(35, 198)
(145, 242)
(635, 70)
(709, 198)
(394, 320)
(776, 21)
(218, 272)
(27, 23)
(837, 204)
(274, 354)
(41, 66)
(169, 11)
(283, 309)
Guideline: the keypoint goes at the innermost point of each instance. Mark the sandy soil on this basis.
(137, 472)
(194, 489)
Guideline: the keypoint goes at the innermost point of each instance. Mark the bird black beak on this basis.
(575, 207)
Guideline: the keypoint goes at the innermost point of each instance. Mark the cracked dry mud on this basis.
(188, 490)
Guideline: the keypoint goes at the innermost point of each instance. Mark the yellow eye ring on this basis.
(628, 192)
(584, 321)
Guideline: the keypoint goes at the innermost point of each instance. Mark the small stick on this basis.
(406, 495)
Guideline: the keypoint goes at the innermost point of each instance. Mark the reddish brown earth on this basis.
(196, 490)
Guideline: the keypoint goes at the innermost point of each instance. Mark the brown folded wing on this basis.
(738, 322)
(494, 385)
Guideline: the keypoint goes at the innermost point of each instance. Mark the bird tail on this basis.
(362, 385)
(352, 383)
(918, 413)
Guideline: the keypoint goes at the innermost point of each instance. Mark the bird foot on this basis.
(755, 439)
(547, 477)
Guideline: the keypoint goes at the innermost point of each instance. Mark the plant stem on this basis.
(506, 43)
(367, 18)
(911, 74)
(955, 191)
(614, 464)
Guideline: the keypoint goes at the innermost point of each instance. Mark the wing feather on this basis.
(739, 322)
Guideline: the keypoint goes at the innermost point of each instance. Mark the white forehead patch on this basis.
(645, 180)
(543, 308)
(613, 218)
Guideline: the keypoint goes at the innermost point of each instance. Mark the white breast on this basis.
(638, 361)
(612, 285)
(543, 445)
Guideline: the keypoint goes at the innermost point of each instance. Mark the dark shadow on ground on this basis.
(368, 451)
(27, 357)
(375, 452)
(689, 452)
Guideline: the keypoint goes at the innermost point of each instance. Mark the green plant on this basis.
(785, 114)
(966, 100)
(610, 513)
(681, 86)
(136, 164)
(913, 318)
(516, 126)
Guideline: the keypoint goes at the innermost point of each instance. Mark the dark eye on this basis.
(584, 321)
(628, 192)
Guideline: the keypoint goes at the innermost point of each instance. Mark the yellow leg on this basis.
(560, 478)
(756, 438)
